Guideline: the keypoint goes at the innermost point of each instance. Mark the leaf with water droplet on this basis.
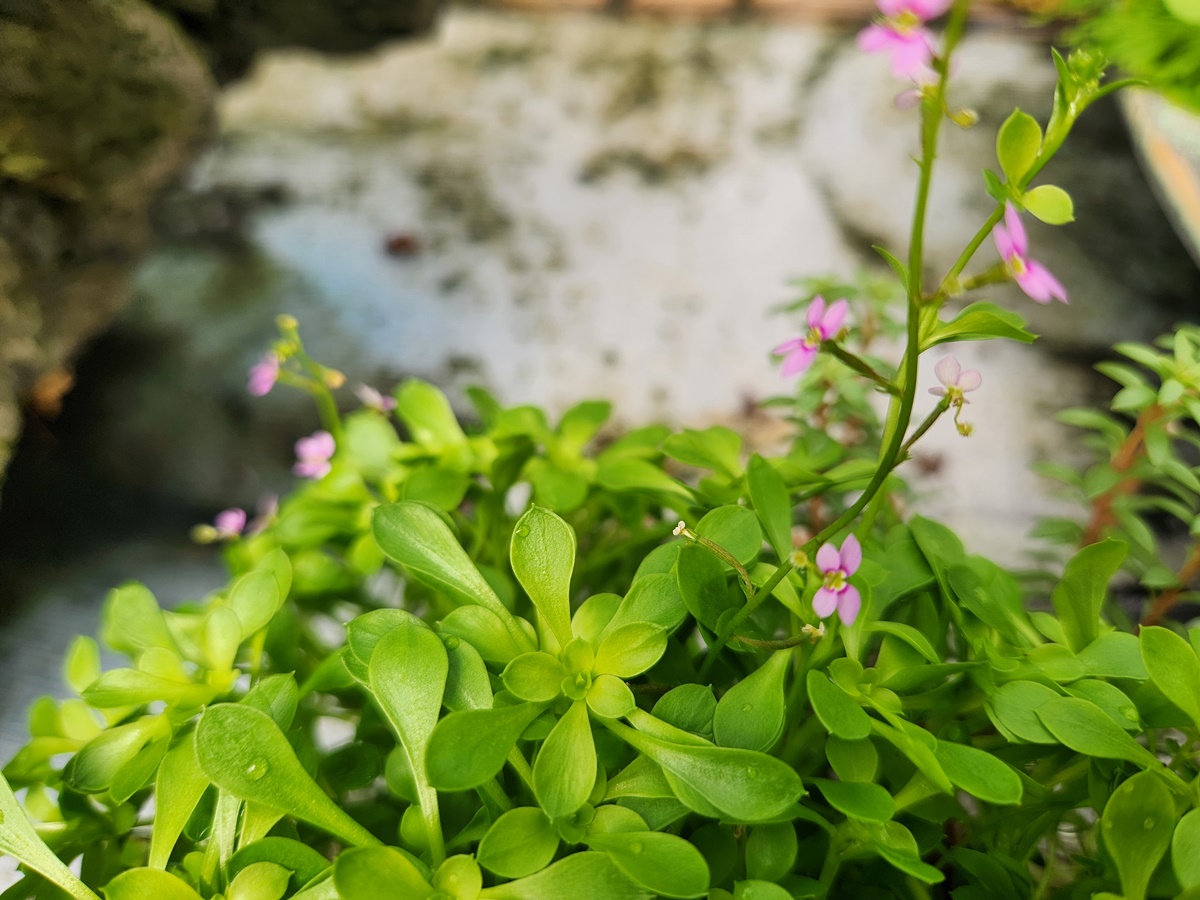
(242, 751)
(581, 876)
(665, 864)
(751, 714)
(1137, 825)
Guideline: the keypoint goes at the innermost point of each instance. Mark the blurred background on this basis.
(556, 199)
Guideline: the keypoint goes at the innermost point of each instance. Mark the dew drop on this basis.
(751, 772)
(747, 707)
(523, 531)
(1148, 824)
(636, 847)
(451, 641)
(258, 768)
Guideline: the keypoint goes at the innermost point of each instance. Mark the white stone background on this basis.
(549, 279)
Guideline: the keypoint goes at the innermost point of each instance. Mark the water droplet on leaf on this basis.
(751, 772)
(451, 641)
(523, 531)
(747, 707)
(258, 768)
(1148, 824)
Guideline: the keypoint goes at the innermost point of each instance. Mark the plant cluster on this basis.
(522, 660)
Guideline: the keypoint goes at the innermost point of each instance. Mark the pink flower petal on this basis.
(876, 39)
(825, 602)
(230, 522)
(1039, 284)
(263, 376)
(1016, 231)
(311, 469)
(938, 391)
(892, 8)
(831, 322)
(848, 604)
(851, 554)
(790, 346)
(816, 310)
(798, 360)
(970, 380)
(1004, 243)
(947, 371)
(828, 558)
(912, 54)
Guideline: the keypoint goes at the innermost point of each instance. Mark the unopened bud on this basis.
(965, 118)
(965, 428)
(799, 559)
(286, 322)
(205, 534)
(333, 378)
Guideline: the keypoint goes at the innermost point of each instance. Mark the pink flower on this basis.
(836, 592)
(823, 325)
(955, 381)
(313, 454)
(372, 399)
(263, 375)
(1031, 276)
(229, 523)
(902, 33)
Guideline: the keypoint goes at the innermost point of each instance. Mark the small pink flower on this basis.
(955, 381)
(902, 33)
(229, 523)
(263, 375)
(836, 592)
(373, 399)
(313, 454)
(823, 325)
(1031, 276)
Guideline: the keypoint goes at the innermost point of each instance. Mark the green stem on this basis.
(520, 765)
(722, 554)
(937, 413)
(496, 794)
(860, 365)
(969, 251)
(427, 799)
(751, 604)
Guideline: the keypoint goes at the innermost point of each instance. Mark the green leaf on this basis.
(751, 714)
(133, 621)
(301, 860)
(143, 884)
(418, 538)
(717, 448)
(1115, 654)
(1184, 858)
(744, 785)
(892, 260)
(1137, 824)
(736, 529)
(98, 762)
(909, 635)
(840, 715)
(259, 881)
(1079, 596)
(980, 322)
(522, 841)
(689, 706)
(630, 474)
(565, 768)
(178, 788)
(581, 876)
(427, 415)
(468, 748)
(1087, 729)
(277, 696)
(364, 632)
(82, 664)
(255, 598)
(852, 760)
(896, 844)
(857, 799)
(130, 687)
(630, 650)
(1050, 204)
(1017, 145)
(1174, 666)
(979, 773)
(1110, 699)
(485, 631)
(773, 504)
(610, 698)
(536, 677)
(368, 873)
(543, 557)
(664, 864)
(653, 598)
(20, 840)
(243, 752)
(771, 851)
(702, 585)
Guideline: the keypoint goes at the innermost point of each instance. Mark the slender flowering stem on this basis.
(860, 365)
(720, 553)
(969, 252)
(900, 409)
(741, 615)
(937, 413)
